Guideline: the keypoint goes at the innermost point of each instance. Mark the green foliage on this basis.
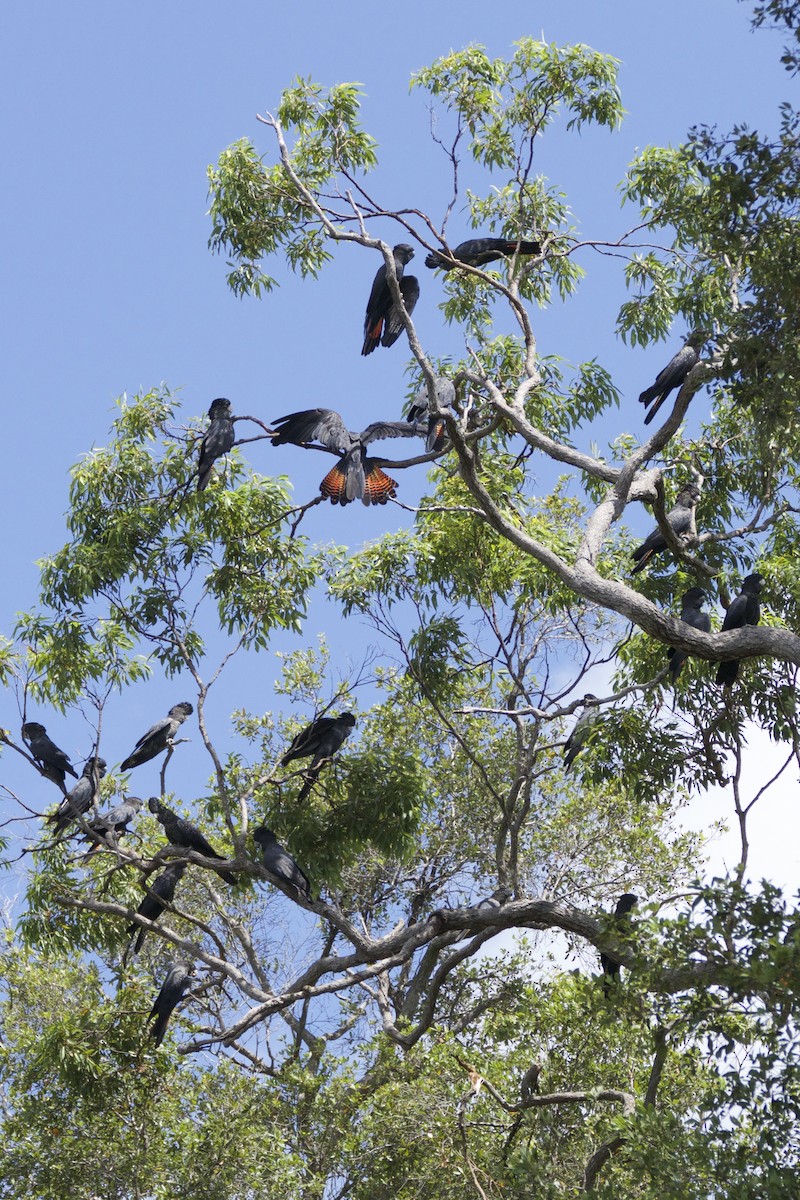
(76, 1060)
(505, 104)
(145, 548)
(560, 405)
(372, 802)
(677, 1077)
(258, 210)
(777, 14)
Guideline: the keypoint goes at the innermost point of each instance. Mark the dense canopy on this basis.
(430, 921)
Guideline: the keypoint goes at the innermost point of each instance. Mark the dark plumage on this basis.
(409, 290)
(674, 374)
(382, 321)
(529, 1084)
(159, 736)
(744, 610)
(319, 741)
(420, 410)
(580, 732)
(691, 614)
(114, 823)
(160, 893)
(82, 796)
(279, 862)
(53, 762)
(183, 833)
(355, 477)
(172, 991)
(607, 962)
(219, 438)
(477, 252)
(681, 520)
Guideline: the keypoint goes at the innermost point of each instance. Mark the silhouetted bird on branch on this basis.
(383, 323)
(54, 763)
(478, 252)
(172, 991)
(160, 894)
(580, 732)
(181, 832)
(691, 614)
(609, 964)
(355, 477)
(319, 741)
(680, 519)
(674, 374)
(219, 437)
(158, 736)
(529, 1084)
(498, 898)
(279, 862)
(78, 802)
(744, 610)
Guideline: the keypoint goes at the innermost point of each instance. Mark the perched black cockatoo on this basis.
(78, 802)
(382, 322)
(409, 290)
(580, 732)
(674, 373)
(53, 762)
(158, 736)
(355, 477)
(161, 892)
(529, 1084)
(420, 410)
(744, 610)
(692, 614)
(279, 862)
(681, 520)
(319, 741)
(219, 438)
(172, 991)
(610, 965)
(498, 898)
(181, 832)
(114, 823)
(477, 252)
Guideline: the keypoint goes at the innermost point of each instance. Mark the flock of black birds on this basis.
(355, 476)
(744, 610)
(318, 741)
(358, 477)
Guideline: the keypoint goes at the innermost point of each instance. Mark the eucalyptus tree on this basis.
(393, 1032)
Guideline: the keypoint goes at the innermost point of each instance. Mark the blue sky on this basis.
(113, 114)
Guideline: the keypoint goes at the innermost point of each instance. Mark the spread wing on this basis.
(387, 429)
(321, 425)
